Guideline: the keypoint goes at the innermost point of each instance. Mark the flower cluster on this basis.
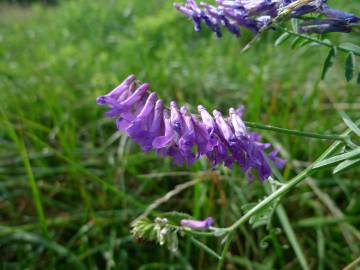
(185, 136)
(256, 14)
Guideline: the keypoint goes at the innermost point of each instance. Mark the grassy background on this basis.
(70, 185)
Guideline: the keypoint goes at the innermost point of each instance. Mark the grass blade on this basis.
(32, 182)
(280, 211)
(51, 245)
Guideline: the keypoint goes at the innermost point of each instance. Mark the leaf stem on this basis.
(318, 41)
(297, 132)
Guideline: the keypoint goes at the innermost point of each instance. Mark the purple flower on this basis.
(224, 128)
(192, 11)
(140, 127)
(207, 119)
(324, 26)
(202, 138)
(188, 139)
(237, 123)
(167, 139)
(114, 95)
(175, 118)
(182, 135)
(118, 107)
(314, 6)
(273, 156)
(197, 224)
(157, 124)
(339, 15)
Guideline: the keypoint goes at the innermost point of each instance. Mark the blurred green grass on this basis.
(92, 181)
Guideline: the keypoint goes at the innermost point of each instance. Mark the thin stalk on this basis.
(318, 41)
(297, 132)
(198, 233)
(205, 248)
(280, 192)
(224, 251)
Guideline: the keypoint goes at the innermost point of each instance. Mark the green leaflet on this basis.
(345, 165)
(280, 40)
(351, 47)
(336, 159)
(354, 128)
(350, 66)
(329, 61)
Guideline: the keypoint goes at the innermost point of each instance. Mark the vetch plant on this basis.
(228, 140)
(184, 137)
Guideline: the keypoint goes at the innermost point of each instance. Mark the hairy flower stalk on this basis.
(185, 136)
(257, 14)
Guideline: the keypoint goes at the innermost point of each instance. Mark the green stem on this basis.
(318, 41)
(278, 193)
(297, 132)
(285, 188)
(198, 233)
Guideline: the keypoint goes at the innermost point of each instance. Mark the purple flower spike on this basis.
(256, 14)
(183, 136)
(197, 224)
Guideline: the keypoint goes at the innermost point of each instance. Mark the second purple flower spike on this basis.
(255, 14)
